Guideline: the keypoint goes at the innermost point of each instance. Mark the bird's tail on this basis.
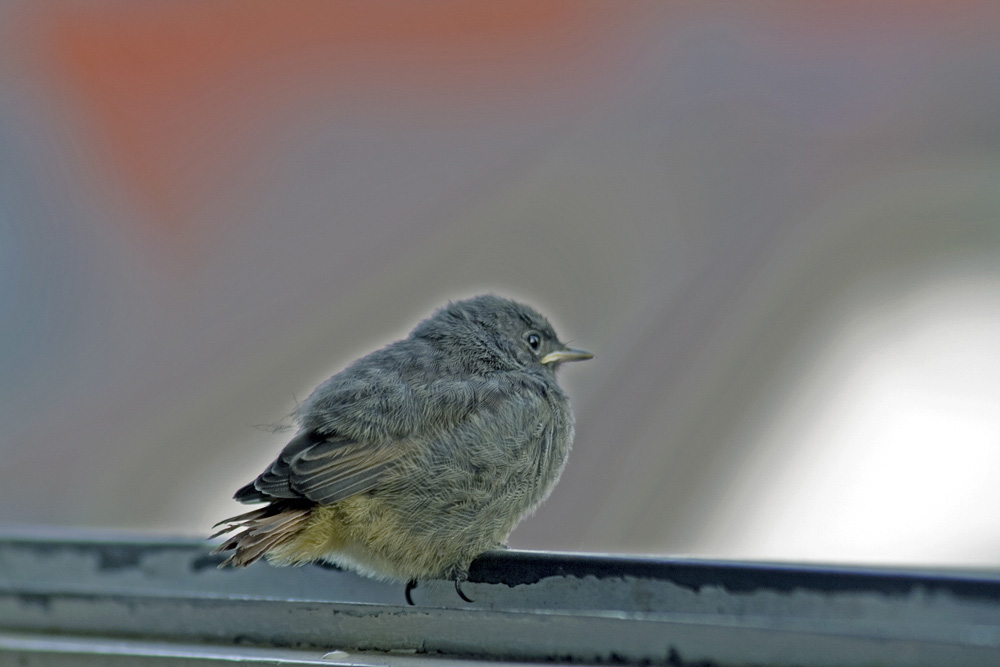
(261, 530)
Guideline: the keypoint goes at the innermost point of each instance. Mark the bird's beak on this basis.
(569, 354)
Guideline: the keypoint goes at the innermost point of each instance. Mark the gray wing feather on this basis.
(321, 468)
(354, 431)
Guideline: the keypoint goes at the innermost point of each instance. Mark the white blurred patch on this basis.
(890, 450)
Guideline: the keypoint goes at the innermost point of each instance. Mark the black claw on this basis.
(410, 585)
(459, 580)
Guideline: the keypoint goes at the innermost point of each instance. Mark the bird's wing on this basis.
(343, 454)
(321, 468)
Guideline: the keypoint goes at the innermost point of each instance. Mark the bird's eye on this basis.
(533, 341)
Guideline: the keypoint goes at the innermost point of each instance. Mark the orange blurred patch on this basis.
(169, 86)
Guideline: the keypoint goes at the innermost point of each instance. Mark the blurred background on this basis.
(776, 223)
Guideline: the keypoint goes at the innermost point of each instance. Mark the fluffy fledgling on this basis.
(420, 456)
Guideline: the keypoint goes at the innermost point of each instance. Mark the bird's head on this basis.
(490, 333)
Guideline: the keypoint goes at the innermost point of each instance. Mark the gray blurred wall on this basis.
(777, 225)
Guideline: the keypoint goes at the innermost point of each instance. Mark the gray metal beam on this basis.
(58, 590)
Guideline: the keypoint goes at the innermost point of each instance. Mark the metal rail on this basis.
(75, 598)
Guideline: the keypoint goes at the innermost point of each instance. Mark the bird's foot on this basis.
(410, 585)
(460, 579)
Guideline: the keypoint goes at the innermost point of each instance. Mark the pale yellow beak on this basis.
(569, 354)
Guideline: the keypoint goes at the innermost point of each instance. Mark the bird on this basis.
(418, 457)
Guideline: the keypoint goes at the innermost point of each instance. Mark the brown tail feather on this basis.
(261, 531)
(238, 521)
(270, 532)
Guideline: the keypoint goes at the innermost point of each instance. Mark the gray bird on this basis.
(420, 456)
